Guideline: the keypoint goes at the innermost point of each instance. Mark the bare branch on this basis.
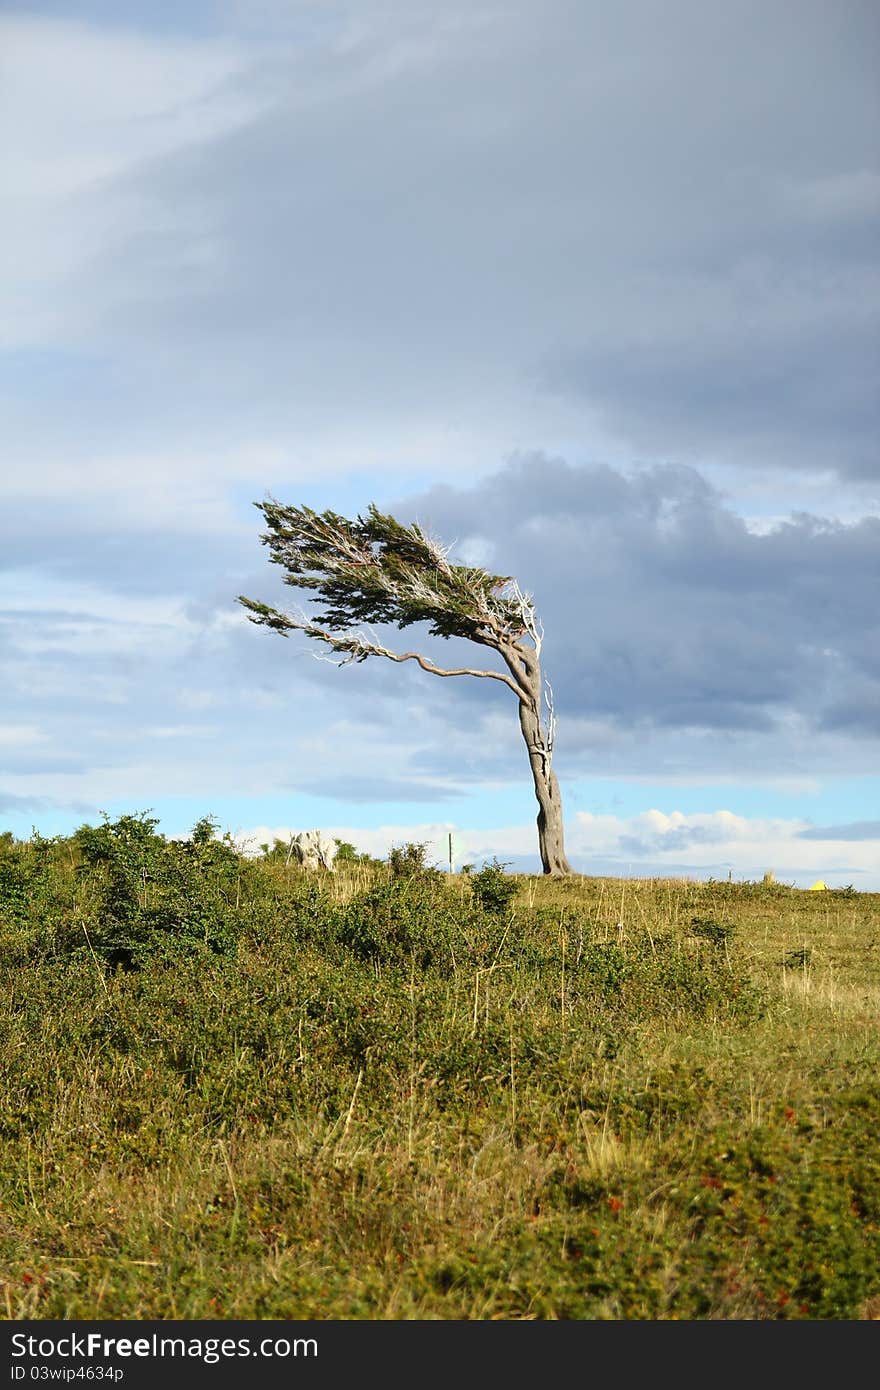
(357, 646)
(437, 549)
(532, 625)
(551, 718)
(439, 671)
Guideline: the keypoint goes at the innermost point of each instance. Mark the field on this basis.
(232, 1089)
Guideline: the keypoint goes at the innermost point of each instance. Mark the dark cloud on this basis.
(857, 711)
(460, 224)
(805, 396)
(667, 216)
(856, 830)
(677, 642)
(664, 611)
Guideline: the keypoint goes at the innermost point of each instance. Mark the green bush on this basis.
(144, 896)
(346, 853)
(493, 889)
(406, 861)
(719, 932)
(400, 920)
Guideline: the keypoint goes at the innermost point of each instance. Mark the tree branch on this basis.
(357, 646)
(439, 671)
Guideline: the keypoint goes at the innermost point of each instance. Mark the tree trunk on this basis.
(550, 828)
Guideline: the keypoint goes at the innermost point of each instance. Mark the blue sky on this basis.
(591, 291)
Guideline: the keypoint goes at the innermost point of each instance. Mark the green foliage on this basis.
(122, 893)
(789, 1210)
(16, 881)
(374, 570)
(408, 860)
(604, 967)
(799, 958)
(493, 889)
(278, 851)
(203, 831)
(405, 918)
(155, 897)
(346, 853)
(29, 878)
(397, 1100)
(719, 932)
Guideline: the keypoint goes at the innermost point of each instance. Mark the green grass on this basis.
(380, 1096)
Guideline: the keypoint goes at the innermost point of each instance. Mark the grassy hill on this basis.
(230, 1089)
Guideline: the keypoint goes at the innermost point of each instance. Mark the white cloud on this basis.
(718, 842)
(652, 844)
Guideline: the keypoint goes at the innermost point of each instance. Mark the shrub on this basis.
(719, 932)
(493, 889)
(398, 920)
(151, 897)
(407, 860)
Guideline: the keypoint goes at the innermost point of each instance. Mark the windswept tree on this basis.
(374, 570)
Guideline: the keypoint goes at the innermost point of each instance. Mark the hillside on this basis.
(231, 1089)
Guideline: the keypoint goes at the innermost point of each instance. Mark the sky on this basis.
(590, 291)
